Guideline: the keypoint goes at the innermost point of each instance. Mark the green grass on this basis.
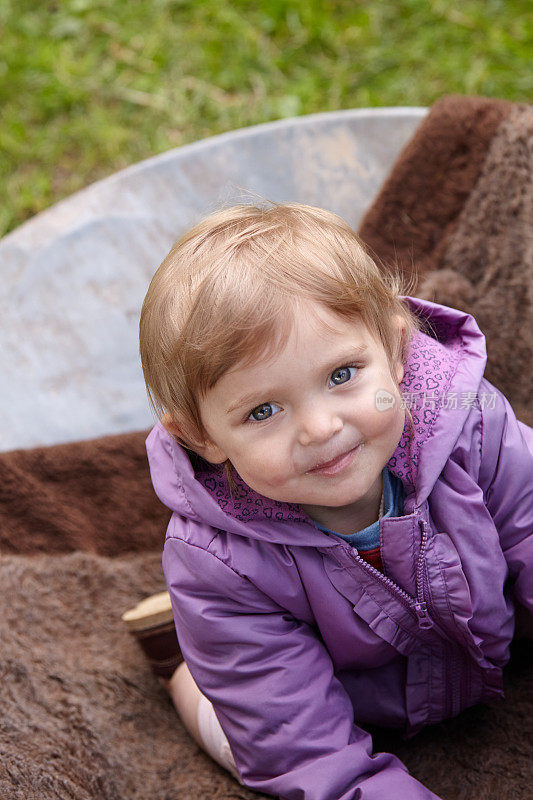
(90, 86)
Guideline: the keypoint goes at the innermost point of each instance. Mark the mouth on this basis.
(337, 464)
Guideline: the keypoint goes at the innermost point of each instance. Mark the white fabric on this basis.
(213, 737)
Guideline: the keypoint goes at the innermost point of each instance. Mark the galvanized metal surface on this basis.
(74, 277)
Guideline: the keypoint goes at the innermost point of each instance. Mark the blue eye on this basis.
(264, 411)
(342, 375)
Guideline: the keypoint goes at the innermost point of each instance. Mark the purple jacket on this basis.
(292, 635)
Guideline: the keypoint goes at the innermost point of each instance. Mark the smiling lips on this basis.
(336, 464)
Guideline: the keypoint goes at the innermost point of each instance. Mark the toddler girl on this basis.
(352, 502)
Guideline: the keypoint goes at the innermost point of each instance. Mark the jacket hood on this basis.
(442, 374)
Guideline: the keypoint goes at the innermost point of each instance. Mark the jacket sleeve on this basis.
(506, 477)
(288, 720)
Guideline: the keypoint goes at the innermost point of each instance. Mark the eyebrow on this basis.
(254, 397)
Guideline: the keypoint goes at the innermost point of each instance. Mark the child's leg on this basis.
(185, 695)
(199, 718)
(152, 624)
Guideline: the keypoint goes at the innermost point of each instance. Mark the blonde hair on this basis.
(226, 292)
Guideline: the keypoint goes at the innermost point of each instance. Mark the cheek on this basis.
(397, 418)
(262, 465)
(383, 420)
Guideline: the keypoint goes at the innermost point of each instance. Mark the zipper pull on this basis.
(424, 620)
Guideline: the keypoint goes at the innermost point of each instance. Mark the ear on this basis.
(400, 326)
(207, 449)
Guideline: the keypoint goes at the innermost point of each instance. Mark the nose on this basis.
(317, 424)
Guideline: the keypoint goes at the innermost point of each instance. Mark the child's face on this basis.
(303, 426)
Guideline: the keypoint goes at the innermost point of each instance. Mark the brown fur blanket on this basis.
(457, 210)
(81, 531)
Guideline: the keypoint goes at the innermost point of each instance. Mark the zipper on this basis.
(457, 677)
(424, 620)
(416, 604)
(458, 682)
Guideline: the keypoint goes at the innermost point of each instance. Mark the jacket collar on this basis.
(443, 371)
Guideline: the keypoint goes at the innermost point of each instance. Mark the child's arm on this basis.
(506, 477)
(288, 720)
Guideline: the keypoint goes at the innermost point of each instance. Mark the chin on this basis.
(330, 499)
